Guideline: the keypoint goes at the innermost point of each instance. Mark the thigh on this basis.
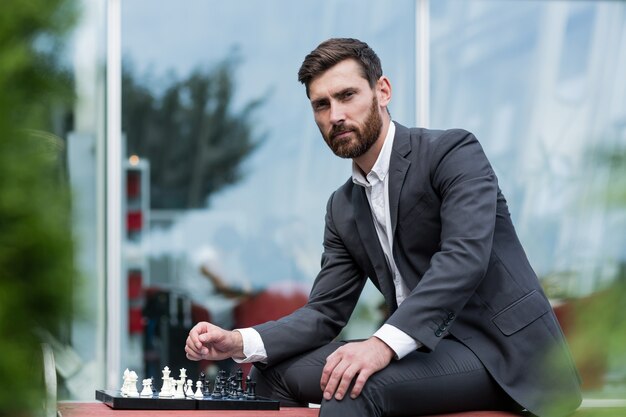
(449, 379)
(295, 381)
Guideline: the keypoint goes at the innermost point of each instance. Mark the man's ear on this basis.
(383, 91)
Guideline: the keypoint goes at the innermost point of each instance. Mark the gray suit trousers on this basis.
(448, 379)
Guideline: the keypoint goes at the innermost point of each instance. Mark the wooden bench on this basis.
(97, 409)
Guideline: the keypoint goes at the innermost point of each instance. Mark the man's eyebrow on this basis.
(344, 91)
(337, 94)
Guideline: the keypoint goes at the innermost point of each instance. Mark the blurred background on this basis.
(199, 179)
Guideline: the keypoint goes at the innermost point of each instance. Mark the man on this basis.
(422, 217)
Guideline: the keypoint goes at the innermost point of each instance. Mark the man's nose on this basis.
(337, 113)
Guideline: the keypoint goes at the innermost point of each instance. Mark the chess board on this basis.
(115, 400)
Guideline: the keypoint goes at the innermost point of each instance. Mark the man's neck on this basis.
(366, 161)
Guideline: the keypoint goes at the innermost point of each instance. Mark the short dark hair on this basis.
(333, 51)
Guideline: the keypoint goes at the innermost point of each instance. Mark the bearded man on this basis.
(423, 218)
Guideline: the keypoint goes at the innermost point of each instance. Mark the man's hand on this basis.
(206, 341)
(356, 359)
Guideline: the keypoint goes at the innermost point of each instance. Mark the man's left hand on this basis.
(355, 359)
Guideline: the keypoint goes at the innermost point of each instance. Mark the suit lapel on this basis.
(398, 168)
(369, 238)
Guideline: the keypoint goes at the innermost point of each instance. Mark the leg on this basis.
(296, 381)
(447, 380)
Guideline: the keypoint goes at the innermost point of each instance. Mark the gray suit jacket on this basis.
(458, 253)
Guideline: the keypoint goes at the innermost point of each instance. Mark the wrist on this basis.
(384, 347)
(237, 344)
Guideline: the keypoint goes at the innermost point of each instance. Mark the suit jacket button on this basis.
(443, 327)
(451, 316)
(447, 322)
(438, 333)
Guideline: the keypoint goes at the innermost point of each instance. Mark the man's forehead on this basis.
(345, 74)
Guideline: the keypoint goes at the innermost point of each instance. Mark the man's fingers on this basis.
(195, 333)
(346, 379)
(331, 362)
(360, 383)
(335, 379)
(191, 355)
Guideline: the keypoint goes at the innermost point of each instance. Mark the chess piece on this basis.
(251, 390)
(124, 389)
(239, 384)
(205, 385)
(189, 389)
(132, 389)
(166, 388)
(199, 395)
(180, 388)
(248, 379)
(147, 388)
(217, 387)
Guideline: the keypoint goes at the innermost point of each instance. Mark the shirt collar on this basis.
(381, 166)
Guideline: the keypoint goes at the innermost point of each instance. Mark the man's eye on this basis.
(319, 106)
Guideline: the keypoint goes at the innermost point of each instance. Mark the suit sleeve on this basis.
(331, 302)
(464, 180)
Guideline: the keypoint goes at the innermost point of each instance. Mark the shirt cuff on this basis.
(253, 347)
(401, 343)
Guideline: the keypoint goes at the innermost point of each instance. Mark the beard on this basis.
(362, 139)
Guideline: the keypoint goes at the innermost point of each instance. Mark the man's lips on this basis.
(341, 134)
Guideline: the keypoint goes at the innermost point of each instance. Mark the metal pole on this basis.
(115, 303)
(422, 63)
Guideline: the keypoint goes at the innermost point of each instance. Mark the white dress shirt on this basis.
(376, 185)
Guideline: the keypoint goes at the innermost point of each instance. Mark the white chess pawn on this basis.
(147, 388)
(198, 393)
(132, 388)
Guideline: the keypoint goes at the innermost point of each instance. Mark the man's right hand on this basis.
(209, 342)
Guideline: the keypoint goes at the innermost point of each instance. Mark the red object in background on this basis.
(133, 184)
(134, 285)
(134, 221)
(135, 320)
(270, 304)
(135, 301)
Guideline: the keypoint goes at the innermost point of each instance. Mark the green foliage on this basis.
(36, 268)
(191, 135)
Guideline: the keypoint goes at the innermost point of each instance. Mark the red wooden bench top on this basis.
(97, 409)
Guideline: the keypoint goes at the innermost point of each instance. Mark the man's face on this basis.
(346, 109)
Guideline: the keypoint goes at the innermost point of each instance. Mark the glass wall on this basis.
(227, 174)
(542, 86)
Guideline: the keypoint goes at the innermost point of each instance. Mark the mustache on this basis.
(339, 129)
